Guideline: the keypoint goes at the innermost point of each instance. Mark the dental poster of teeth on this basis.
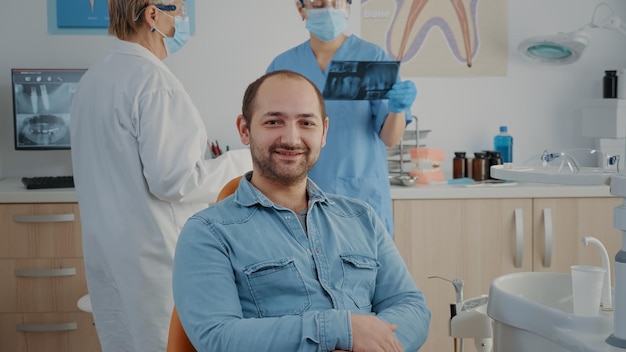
(82, 13)
(91, 16)
(360, 80)
(440, 38)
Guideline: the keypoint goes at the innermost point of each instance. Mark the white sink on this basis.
(533, 311)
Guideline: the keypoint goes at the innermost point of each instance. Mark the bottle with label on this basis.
(493, 158)
(458, 165)
(503, 143)
(479, 166)
(609, 84)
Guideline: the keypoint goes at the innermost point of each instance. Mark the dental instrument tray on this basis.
(580, 166)
(399, 157)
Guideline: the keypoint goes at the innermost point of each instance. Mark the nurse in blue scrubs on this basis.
(354, 161)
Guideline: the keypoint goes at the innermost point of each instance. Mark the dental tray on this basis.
(585, 176)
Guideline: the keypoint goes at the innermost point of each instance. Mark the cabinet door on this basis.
(41, 285)
(561, 223)
(40, 231)
(472, 240)
(42, 332)
(42, 275)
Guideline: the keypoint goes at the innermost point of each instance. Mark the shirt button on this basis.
(317, 250)
(288, 217)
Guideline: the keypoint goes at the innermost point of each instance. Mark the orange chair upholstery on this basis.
(177, 340)
(229, 188)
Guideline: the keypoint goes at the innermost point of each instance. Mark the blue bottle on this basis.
(503, 143)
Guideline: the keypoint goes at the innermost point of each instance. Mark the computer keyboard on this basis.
(48, 182)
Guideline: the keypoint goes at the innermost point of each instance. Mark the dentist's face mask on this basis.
(326, 23)
(181, 34)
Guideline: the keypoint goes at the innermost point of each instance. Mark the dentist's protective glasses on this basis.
(318, 4)
(164, 7)
(571, 160)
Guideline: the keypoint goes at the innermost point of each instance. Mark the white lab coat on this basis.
(138, 146)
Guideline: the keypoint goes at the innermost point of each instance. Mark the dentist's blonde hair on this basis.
(122, 23)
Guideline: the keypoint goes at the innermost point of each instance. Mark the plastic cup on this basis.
(587, 283)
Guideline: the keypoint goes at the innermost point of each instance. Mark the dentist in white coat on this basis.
(138, 145)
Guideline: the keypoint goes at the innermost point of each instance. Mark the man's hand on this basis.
(370, 334)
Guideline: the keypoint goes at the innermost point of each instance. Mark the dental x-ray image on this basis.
(360, 80)
(41, 104)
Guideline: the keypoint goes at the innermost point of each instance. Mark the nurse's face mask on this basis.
(181, 27)
(326, 19)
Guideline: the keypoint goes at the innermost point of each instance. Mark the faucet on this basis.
(606, 300)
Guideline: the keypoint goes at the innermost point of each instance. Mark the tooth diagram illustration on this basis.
(461, 37)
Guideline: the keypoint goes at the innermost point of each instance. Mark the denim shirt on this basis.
(248, 278)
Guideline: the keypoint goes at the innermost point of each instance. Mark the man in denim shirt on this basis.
(282, 266)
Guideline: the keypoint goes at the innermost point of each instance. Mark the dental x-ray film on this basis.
(360, 80)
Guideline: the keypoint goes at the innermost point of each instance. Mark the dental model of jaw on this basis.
(427, 161)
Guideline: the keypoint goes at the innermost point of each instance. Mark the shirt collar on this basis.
(131, 48)
(247, 195)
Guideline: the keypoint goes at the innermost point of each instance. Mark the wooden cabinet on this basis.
(42, 275)
(573, 219)
(477, 240)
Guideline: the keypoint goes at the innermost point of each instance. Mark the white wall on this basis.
(235, 40)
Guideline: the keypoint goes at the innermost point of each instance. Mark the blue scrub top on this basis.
(354, 161)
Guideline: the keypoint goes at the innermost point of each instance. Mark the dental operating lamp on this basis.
(567, 48)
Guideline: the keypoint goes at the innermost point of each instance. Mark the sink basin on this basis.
(533, 311)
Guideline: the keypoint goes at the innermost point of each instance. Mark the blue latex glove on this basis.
(401, 96)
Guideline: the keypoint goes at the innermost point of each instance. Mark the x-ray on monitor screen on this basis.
(41, 107)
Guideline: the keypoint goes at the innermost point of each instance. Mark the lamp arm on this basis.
(622, 29)
(611, 22)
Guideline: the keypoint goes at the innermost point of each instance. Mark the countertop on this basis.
(12, 191)
(498, 190)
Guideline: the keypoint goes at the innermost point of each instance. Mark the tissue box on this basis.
(604, 118)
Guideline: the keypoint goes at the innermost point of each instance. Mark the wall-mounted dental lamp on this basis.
(567, 48)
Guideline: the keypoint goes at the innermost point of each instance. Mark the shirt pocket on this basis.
(359, 278)
(365, 189)
(277, 288)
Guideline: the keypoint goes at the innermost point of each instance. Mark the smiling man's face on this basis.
(287, 130)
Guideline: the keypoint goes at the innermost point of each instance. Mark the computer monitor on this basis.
(41, 107)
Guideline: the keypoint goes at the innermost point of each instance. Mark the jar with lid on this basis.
(459, 164)
(479, 166)
(609, 84)
(493, 158)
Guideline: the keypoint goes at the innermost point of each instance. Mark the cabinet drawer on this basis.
(40, 231)
(41, 285)
(42, 332)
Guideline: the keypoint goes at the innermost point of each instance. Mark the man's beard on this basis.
(279, 172)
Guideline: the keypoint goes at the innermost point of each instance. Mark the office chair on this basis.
(177, 340)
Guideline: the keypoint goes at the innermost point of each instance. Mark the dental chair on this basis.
(177, 340)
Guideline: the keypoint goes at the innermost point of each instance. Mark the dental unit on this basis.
(606, 301)
(469, 319)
